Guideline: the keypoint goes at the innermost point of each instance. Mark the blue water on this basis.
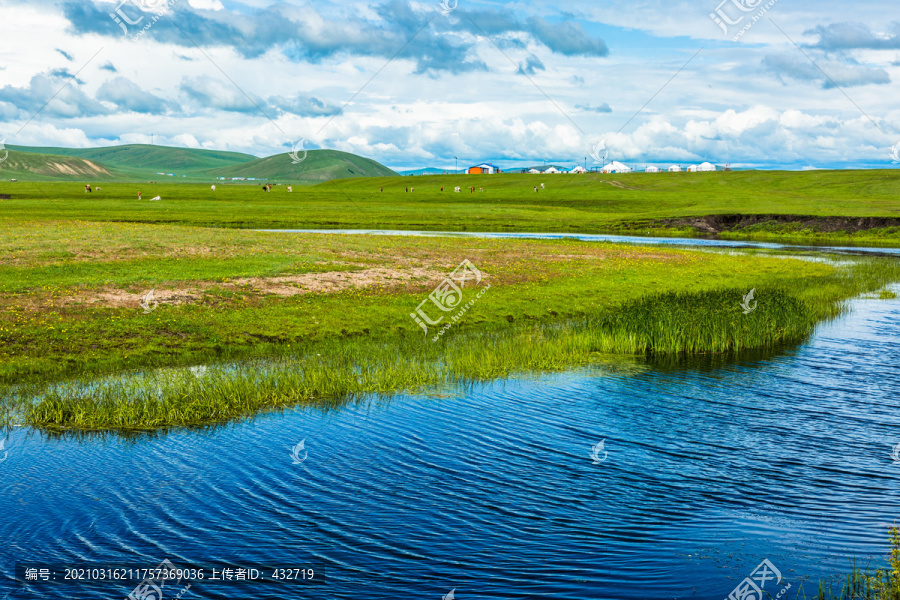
(707, 469)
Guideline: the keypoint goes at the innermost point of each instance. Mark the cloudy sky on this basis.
(790, 83)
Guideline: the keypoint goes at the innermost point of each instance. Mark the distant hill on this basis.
(145, 162)
(29, 166)
(318, 166)
(146, 159)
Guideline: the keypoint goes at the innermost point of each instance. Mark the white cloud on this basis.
(207, 4)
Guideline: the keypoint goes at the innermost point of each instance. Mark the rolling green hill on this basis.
(318, 166)
(137, 162)
(27, 166)
(148, 160)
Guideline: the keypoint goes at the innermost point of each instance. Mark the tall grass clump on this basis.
(706, 322)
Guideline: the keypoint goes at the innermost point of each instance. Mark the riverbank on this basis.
(286, 318)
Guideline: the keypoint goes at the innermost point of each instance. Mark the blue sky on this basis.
(781, 83)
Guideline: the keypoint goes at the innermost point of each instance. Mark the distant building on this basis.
(578, 169)
(652, 169)
(674, 169)
(552, 170)
(616, 167)
(534, 171)
(706, 167)
(483, 169)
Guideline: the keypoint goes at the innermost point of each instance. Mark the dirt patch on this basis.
(714, 224)
(621, 185)
(335, 281)
(290, 285)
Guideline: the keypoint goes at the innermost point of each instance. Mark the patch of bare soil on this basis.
(290, 285)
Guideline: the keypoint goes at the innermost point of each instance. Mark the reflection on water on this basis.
(492, 491)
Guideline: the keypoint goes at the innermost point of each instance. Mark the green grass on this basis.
(334, 370)
(591, 203)
(69, 292)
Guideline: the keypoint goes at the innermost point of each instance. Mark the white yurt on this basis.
(616, 167)
(706, 167)
(552, 170)
(534, 171)
(674, 169)
(578, 169)
(652, 169)
(692, 169)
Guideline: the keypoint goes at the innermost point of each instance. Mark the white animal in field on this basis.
(155, 198)
(98, 189)
(542, 186)
(290, 189)
(212, 187)
(456, 189)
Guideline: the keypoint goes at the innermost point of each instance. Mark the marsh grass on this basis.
(334, 371)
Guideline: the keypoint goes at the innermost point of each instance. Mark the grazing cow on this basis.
(139, 195)
(535, 188)
(155, 198)
(542, 186)
(381, 189)
(290, 189)
(87, 188)
(212, 187)
(98, 189)
(457, 189)
(442, 188)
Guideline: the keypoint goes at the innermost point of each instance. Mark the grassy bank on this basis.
(637, 203)
(255, 307)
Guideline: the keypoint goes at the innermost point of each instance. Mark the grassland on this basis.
(811, 207)
(283, 318)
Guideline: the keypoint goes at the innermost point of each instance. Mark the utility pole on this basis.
(457, 165)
